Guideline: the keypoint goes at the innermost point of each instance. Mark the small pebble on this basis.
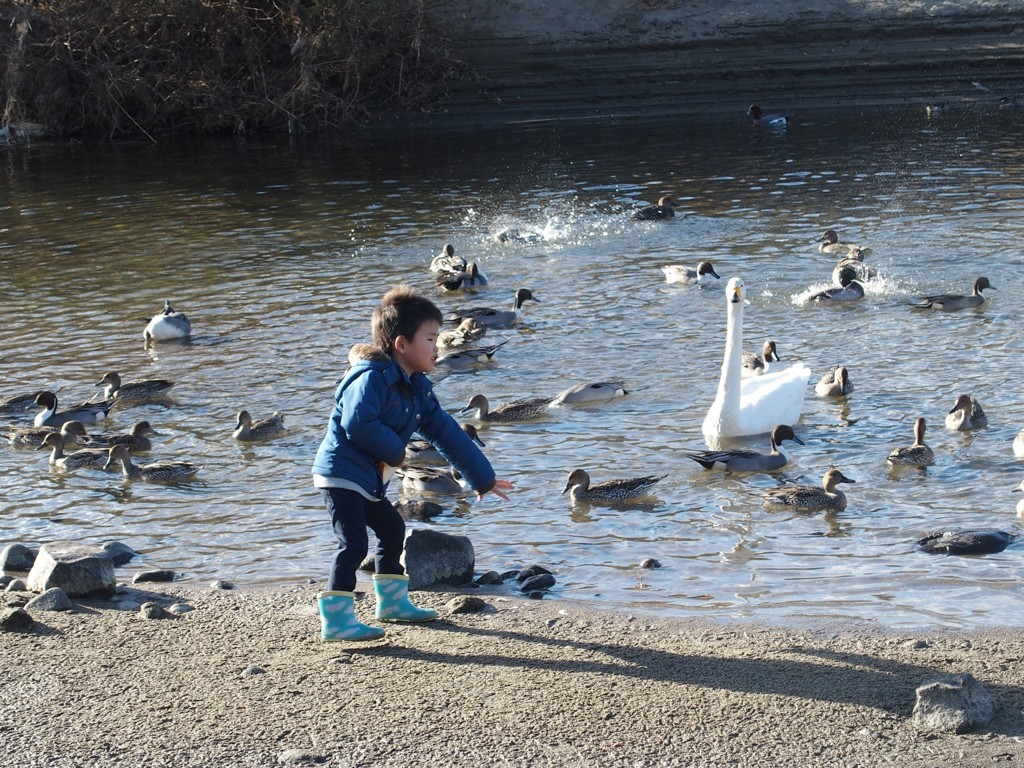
(152, 611)
(539, 569)
(465, 604)
(510, 575)
(300, 757)
(179, 608)
(525, 574)
(161, 575)
(5, 580)
(54, 599)
(251, 671)
(16, 620)
(491, 577)
(537, 595)
(16, 585)
(218, 584)
(127, 605)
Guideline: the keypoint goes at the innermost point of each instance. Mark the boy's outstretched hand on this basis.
(498, 489)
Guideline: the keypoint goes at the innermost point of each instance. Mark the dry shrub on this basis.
(149, 67)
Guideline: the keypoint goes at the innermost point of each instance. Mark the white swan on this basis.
(756, 405)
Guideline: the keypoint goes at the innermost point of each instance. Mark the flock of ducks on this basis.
(57, 430)
(757, 392)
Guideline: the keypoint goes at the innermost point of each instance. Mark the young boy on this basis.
(380, 402)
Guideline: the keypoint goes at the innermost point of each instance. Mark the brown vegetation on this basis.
(149, 67)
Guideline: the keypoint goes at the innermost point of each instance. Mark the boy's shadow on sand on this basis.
(822, 674)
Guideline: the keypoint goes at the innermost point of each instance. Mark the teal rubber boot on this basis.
(393, 602)
(338, 620)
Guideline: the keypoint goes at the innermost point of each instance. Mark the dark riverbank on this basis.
(562, 61)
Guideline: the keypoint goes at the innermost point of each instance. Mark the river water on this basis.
(278, 252)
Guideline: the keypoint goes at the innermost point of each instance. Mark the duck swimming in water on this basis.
(854, 260)
(835, 383)
(775, 121)
(167, 325)
(581, 489)
(596, 392)
(248, 430)
(916, 455)
(965, 415)
(157, 471)
(85, 457)
(664, 209)
(514, 410)
(137, 438)
(447, 261)
(951, 302)
(679, 275)
(495, 317)
(829, 243)
(755, 365)
(850, 289)
(749, 461)
(87, 413)
(72, 431)
(468, 332)
(809, 497)
(115, 389)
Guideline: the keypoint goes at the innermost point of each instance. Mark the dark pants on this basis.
(351, 513)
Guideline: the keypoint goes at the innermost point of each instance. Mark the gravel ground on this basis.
(244, 680)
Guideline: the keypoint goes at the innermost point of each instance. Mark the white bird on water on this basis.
(755, 405)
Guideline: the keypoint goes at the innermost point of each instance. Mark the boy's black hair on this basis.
(401, 313)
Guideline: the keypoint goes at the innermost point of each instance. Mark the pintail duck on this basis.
(966, 415)
(447, 261)
(592, 392)
(248, 430)
(137, 438)
(679, 275)
(423, 450)
(809, 497)
(849, 288)
(432, 480)
(18, 403)
(1011, 101)
(829, 243)
(471, 277)
(115, 389)
(916, 455)
(835, 383)
(580, 488)
(756, 365)
(87, 413)
(461, 359)
(950, 302)
(468, 332)
(664, 209)
(157, 471)
(515, 410)
(72, 431)
(776, 121)
(86, 457)
(936, 108)
(749, 461)
(854, 260)
(167, 325)
(494, 317)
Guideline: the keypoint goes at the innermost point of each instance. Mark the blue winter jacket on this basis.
(377, 407)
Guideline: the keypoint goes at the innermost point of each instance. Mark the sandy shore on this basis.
(243, 680)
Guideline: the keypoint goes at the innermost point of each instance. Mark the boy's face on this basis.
(418, 354)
